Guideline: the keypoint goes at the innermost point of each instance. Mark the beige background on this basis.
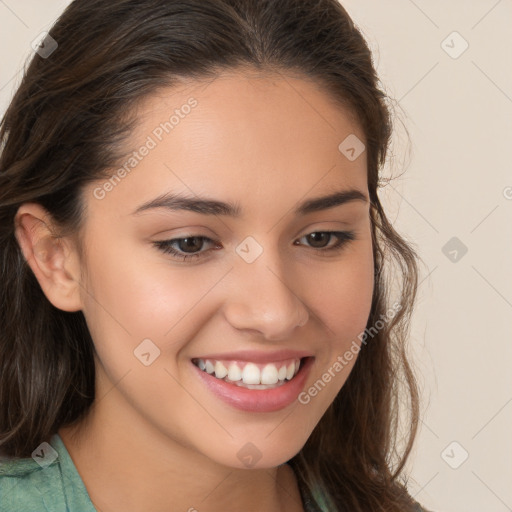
(458, 183)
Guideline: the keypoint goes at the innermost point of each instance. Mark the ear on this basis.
(54, 261)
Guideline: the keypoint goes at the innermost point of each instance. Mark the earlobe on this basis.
(54, 264)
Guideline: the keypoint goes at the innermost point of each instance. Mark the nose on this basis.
(262, 299)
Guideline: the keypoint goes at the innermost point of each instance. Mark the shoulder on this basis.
(26, 485)
(34, 483)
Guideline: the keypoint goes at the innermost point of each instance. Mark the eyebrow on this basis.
(207, 206)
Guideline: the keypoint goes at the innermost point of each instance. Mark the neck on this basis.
(128, 465)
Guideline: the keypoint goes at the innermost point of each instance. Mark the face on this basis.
(263, 287)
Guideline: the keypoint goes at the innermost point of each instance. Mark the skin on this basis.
(156, 435)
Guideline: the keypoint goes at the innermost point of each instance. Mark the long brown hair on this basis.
(64, 128)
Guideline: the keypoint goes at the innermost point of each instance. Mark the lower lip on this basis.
(258, 400)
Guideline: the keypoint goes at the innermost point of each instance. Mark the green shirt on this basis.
(28, 486)
(53, 484)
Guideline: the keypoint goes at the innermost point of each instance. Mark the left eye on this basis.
(195, 243)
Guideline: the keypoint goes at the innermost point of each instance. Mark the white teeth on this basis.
(251, 374)
(269, 374)
(220, 370)
(209, 367)
(234, 373)
(290, 371)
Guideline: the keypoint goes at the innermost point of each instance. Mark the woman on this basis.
(253, 369)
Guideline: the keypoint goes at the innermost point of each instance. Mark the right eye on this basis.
(184, 244)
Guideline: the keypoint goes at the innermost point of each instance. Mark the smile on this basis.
(254, 387)
(250, 375)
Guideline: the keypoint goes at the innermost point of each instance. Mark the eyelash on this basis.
(344, 237)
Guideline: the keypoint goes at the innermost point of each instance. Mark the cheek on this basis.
(343, 305)
(134, 294)
(345, 298)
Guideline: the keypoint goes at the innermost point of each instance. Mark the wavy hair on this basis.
(64, 128)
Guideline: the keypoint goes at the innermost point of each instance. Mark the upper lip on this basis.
(257, 356)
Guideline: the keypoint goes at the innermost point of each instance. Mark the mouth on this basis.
(251, 375)
(252, 386)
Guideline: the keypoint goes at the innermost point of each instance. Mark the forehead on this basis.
(260, 103)
(274, 135)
